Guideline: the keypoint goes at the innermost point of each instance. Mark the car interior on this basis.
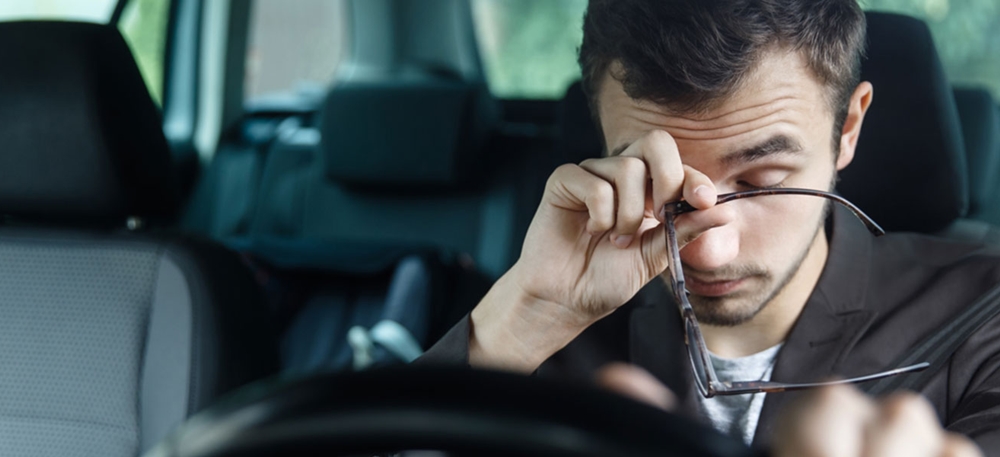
(180, 244)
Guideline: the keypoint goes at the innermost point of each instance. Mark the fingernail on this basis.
(622, 241)
(702, 191)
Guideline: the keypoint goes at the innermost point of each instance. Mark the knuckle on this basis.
(602, 189)
(836, 395)
(600, 194)
(957, 445)
(631, 167)
(561, 172)
(908, 406)
(841, 398)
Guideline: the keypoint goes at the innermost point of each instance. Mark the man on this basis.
(698, 98)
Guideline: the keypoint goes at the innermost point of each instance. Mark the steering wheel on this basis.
(461, 411)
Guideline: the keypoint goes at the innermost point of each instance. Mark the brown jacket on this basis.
(876, 299)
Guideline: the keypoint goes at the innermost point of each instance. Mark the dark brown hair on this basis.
(689, 55)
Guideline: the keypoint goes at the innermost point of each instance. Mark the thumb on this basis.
(687, 228)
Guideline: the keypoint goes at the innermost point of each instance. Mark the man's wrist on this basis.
(511, 330)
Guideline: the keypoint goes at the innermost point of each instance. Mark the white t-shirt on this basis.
(736, 415)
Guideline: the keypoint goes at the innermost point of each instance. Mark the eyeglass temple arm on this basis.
(746, 387)
(681, 207)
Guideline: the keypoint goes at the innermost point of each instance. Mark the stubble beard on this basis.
(740, 308)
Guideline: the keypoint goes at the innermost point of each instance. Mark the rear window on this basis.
(529, 47)
(293, 50)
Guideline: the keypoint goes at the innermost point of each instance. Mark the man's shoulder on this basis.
(965, 263)
(920, 282)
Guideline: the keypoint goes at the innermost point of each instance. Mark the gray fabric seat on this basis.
(112, 331)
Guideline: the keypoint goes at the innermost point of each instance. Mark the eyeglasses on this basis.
(704, 373)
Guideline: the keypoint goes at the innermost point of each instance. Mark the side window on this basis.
(293, 49)
(966, 34)
(528, 47)
(144, 26)
(69, 10)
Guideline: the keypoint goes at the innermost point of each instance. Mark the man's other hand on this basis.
(595, 240)
(835, 421)
(840, 421)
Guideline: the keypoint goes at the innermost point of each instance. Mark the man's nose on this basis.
(716, 247)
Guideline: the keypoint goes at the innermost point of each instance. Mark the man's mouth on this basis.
(713, 288)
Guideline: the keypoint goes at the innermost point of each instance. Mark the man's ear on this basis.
(861, 99)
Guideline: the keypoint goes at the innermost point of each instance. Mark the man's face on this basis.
(773, 131)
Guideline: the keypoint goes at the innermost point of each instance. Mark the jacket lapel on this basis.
(832, 322)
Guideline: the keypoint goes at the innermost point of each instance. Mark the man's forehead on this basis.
(781, 91)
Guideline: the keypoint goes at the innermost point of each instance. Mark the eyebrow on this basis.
(779, 144)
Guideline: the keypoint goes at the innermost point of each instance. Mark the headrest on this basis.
(406, 134)
(909, 170)
(981, 134)
(81, 138)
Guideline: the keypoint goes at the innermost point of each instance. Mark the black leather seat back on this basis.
(95, 107)
(110, 337)
(981, 132)
(909, 170)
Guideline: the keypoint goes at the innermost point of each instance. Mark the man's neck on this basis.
(773, 323)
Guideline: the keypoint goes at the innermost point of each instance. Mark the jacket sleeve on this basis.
(451, 349)
(973, 378)
(977, 413)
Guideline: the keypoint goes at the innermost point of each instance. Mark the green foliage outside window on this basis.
(966, 34)
(529, 47)
(144, 26)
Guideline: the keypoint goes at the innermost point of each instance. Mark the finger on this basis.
(906, 426)
(956, 445)
(828, 422)
(692, 225)
(572, 188)
(636, 383)
(699, 190)
(628, 176)
(663, 162)
(654, 248)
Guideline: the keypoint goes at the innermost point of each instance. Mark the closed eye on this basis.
(746, 185)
